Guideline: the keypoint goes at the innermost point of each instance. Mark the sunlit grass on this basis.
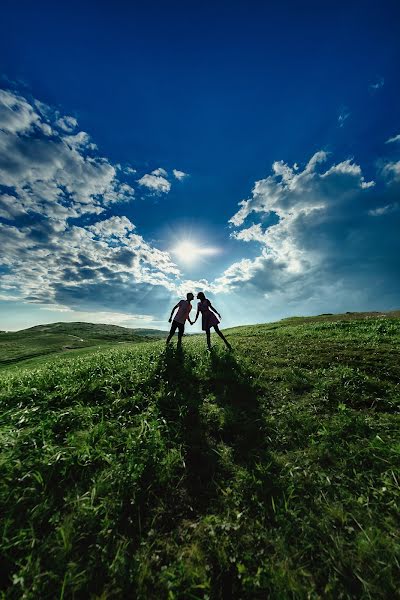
(271, 472)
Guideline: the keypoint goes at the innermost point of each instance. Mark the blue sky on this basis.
(130, 134)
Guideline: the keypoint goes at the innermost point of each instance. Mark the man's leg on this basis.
(181, 329)
(172, 331)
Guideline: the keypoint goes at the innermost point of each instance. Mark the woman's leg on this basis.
(221, 335)
(208, 334)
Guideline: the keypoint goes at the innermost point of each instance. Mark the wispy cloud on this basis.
(393, 139)
(383, 210)
(344, 114)
(377, 85)
(391, 171)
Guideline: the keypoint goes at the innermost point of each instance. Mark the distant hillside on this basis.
(324, 318)
(61, 337)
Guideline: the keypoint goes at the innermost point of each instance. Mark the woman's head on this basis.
(201, 296)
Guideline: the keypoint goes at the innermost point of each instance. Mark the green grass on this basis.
(269, 472)
(53, 338)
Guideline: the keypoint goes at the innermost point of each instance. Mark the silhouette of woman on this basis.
(208, 319)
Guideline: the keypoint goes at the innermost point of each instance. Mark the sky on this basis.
(250, 150)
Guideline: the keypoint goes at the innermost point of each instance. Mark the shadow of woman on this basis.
(235, 391)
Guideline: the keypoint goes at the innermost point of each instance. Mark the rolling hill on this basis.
(63, 337)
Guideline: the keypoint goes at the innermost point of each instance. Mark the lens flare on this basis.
(189, 252)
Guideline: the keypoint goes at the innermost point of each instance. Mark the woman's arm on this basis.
(197, 314)
(215, 310)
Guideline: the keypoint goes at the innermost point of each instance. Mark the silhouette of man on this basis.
(184, 307)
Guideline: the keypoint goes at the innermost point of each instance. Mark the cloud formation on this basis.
(325, 239)
(50, 172)
(157, 181)
(52, 182)
(318, 237)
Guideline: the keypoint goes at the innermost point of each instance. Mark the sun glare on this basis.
(186, 252)
(189, 252)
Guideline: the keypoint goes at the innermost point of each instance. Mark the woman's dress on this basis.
(208, 318)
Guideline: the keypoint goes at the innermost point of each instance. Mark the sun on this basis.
(187, 252)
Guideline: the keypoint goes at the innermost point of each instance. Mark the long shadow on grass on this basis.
(236, 393)
(232, 390)
(180, 405)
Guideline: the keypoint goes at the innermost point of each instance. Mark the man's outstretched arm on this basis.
(172, 312)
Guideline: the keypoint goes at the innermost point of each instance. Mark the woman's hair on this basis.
(201, 296)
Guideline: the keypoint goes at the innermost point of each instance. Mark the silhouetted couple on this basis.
(208, 318)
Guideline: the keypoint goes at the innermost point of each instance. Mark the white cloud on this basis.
(320, 223)
(10, 208)
(53, 176)
(179, 174)
(348, 167)
(392, 171)
(155, 183)
(254, 233)
(52, 180)
(67, 123)
(291, 192)
(160, 172)
(114, 226)
(395, 138)
(8, 298)
(79, 141)
(237, 273)
(129, 170)
(16, 114)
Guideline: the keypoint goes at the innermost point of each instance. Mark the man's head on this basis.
(189, 296)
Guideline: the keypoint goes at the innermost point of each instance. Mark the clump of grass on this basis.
(148, 472)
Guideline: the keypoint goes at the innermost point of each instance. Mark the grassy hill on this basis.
(268, 472)
(61, 337)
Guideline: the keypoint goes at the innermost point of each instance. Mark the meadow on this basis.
(54, 338)
(140, 471)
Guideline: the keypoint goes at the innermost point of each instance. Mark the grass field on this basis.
(269, 472)
(54, 338)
